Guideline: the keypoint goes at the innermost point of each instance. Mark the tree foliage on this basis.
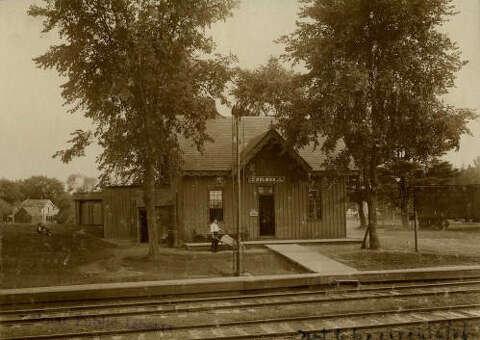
(42, 187)
(399, 179)
(5, 210)
(266, 90)
(469, 174)
(145, 72)
(376, 71)
(65, 205)
(77, 183)
(37, 187)
(11, 191)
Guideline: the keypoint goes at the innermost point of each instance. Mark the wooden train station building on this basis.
(284, 192)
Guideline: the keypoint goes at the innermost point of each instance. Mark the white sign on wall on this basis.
(266, 179)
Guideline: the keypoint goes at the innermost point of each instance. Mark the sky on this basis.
(34, 124)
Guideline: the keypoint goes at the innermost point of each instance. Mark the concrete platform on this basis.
(311, 260)
(224, 284)
(201, 245)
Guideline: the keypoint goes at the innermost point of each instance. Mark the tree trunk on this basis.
(373, 202)
(372, 221)
(404, 200)
(149, 198)
(361, 214)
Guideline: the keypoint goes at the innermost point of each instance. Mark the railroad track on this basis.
(191, 318)
(282, 327)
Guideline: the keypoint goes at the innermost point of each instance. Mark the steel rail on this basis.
(388, 294)
(269, 321)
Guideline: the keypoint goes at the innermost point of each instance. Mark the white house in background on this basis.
(36, 211)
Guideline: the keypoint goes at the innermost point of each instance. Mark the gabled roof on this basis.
(218, 155)
(257, 144)
(29, 202)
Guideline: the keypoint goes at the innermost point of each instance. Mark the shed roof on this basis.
(217, 155)
(88, 196)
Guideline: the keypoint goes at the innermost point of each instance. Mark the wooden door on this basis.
(266, 215)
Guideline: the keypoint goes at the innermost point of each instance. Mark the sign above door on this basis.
(266, 179)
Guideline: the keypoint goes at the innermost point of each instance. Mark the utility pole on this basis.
(239, 196)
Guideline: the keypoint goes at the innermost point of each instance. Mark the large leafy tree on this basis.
(80, 183)
(145, 72)
(376, 73)
(266, 90)
(42, 187)
(11, 191)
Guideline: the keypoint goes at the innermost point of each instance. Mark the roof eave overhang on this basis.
(206, 173)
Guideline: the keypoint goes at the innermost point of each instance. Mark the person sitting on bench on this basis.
(215, 231)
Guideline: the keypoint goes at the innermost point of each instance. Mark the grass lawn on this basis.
(458, 245)
(73, 256)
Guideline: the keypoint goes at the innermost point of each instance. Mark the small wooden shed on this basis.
(121, 211)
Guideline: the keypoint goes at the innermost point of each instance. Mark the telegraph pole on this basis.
(239, 196)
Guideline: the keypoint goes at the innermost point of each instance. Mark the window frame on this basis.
(270, 188)
(222, 201)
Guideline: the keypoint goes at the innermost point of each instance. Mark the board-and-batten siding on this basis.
(194, 209)
(290, 199)
(90, 212)
(120, 213)
(291, 204)
(291, 215)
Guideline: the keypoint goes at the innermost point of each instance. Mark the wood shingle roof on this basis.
(218, 155)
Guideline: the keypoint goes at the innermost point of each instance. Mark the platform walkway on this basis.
(310, 259)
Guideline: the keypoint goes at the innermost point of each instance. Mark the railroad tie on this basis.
(195, 334)
(268, 328)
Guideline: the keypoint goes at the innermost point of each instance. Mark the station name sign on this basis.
(266, 179)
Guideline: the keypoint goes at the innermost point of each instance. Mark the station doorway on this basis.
(266, 211)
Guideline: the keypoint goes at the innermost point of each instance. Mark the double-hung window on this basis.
(215, 205)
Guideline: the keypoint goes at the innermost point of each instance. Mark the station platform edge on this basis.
(226, 284)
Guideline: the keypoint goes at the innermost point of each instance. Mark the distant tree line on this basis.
(14, 192)
(469, 174)
(396, 194)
